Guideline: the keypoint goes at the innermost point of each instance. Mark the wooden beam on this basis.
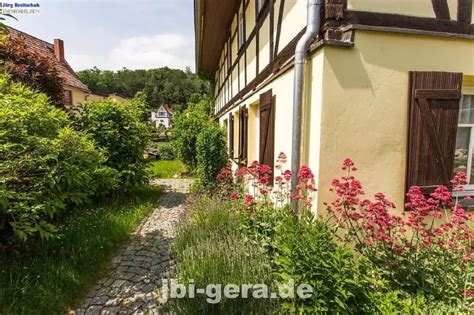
(404, 21)
(441, 9)
(280, 19)
(272, 14)
(464, 11)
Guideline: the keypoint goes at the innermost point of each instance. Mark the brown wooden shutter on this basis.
(267, 129)
(243, 135)
(433, 120)
(231, 135)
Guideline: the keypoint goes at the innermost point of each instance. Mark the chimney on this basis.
(59, 49)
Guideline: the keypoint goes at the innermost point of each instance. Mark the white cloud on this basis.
(143, 52)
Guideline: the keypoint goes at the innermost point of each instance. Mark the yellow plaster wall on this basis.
(94, 97)
(264, 45)
(235, 81)
(365, 104)
(313, 94)
(250, 18)
(242, 72)
(251, 60)
(78, 96)
(294, 20)
(422, 8)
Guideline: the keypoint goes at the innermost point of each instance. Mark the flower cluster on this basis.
(433, 230)
(258, 185)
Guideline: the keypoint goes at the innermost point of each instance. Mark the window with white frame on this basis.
(463, 155)
(241, 26)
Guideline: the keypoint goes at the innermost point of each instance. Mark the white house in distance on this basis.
(163, 116)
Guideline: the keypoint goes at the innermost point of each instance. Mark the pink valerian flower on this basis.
(234, 196)
(282, 158)
(241, 172)
(305, 174)
(225, 174)
(287, 175)
(249, 200)
(459, 180)
(348, 164)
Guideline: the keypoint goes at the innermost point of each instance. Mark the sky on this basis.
(112, 34)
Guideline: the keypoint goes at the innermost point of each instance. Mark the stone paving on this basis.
(139, 267)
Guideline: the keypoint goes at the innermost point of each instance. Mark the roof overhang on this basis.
(212, 19)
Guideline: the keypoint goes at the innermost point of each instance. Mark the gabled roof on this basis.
(167, 109)
(45, 49)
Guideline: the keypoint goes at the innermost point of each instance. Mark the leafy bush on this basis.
(306, 251)
(31, 69)
(187, 126)
(201, 251)
(118, 128)
(44, 165)
(211, 153)
(166, 151)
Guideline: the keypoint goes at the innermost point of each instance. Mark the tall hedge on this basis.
(187, 126)
(119, 129)
(45, 166)
(211, 153)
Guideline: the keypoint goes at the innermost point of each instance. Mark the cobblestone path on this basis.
(138, 267)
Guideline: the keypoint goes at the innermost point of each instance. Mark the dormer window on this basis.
(241, 26)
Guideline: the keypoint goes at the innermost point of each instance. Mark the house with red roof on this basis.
(75, 90)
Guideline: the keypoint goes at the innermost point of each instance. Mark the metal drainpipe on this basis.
(301, 54)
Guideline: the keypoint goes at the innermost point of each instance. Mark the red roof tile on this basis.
(168, 109)
(47, 50)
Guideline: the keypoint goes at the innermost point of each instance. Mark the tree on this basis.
(31, 69)
(160, 86)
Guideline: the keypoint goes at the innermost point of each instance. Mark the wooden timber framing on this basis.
(408, 22)
(271, 69)
(464, 11)
(441, 9)
(338, 27)
(242, 51)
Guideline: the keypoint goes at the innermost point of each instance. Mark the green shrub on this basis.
(187, 126)
(211, 154)
(210, 250)
(118, 128)
(306, 251)
(166, 151)
(44, 165)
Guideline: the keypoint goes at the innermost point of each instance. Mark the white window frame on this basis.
(469, 188)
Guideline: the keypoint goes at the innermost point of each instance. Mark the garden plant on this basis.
(359, 257)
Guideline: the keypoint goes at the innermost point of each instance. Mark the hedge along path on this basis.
(139, 267)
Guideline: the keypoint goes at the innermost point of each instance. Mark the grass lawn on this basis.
(166, 169)
(50, 276)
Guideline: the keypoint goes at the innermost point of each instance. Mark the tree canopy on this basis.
(160, 86)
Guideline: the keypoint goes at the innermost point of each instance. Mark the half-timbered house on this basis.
(388, 83)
